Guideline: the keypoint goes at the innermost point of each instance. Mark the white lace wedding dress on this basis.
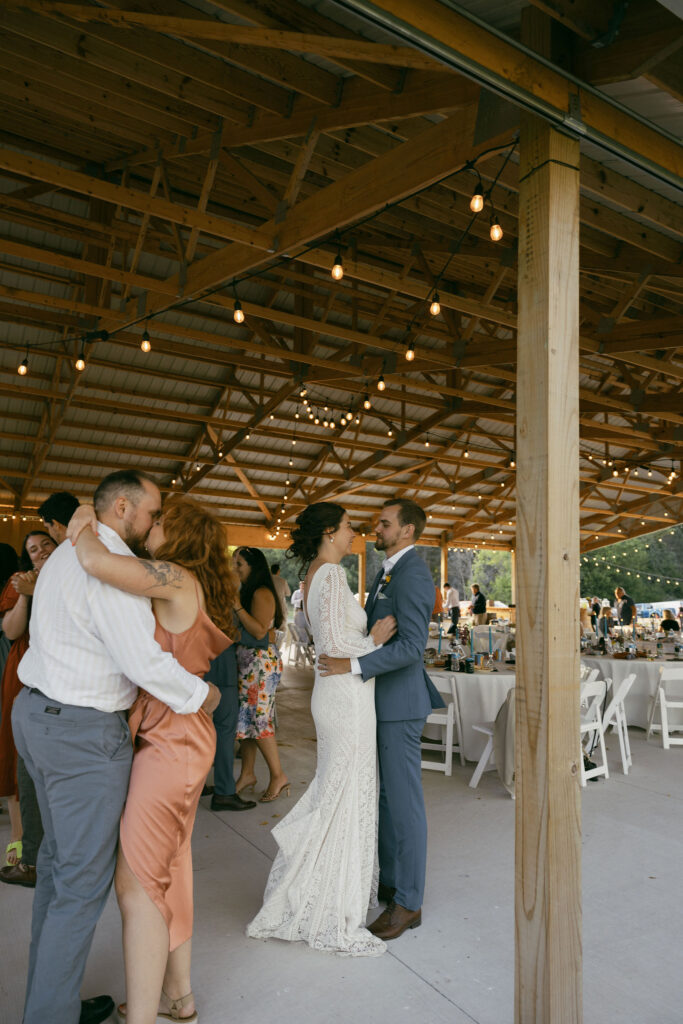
(324, 875)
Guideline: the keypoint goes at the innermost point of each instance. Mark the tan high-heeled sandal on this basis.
(174, 1006)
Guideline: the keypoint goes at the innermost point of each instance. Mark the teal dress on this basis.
(259, 668)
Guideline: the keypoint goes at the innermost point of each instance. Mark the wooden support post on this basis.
(513, 578)
(444, 565)
(548, 954)
(362, 567)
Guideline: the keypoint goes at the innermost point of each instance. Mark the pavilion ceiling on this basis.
(160, 160)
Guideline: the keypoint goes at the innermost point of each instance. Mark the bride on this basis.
(324, 875)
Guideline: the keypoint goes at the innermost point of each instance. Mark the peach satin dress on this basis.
(173, 754)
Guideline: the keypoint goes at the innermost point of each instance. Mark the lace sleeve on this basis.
(334, 636)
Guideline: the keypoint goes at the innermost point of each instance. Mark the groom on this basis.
(404, 696)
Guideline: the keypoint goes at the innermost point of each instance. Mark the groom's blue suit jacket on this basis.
(403, 690)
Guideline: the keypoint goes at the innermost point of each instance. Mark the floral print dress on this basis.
(259, 667)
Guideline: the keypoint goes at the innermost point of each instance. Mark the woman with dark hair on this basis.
(15, 609)
(193, 591)
(324, 876)
(259, 668)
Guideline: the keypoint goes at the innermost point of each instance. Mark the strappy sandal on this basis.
(174, 1006)
(16, 849)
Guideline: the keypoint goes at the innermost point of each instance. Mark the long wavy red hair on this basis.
(195, 540)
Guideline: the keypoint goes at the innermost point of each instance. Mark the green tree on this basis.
(492, 570)
(649, 568)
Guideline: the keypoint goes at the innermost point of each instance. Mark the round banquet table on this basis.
(480, 697)
(637, 702)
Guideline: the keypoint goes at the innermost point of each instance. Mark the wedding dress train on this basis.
(325, 873)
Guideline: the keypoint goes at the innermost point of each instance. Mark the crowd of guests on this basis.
(601, 617)
(96, 754)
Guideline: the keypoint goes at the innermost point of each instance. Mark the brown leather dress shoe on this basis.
(394, 921)
(19, 874)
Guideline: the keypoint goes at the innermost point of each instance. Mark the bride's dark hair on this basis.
(311, 525)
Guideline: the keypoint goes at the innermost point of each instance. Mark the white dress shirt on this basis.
(93, 645)
(452, 598)
(387, 567)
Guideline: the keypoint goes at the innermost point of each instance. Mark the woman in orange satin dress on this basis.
(193, 592)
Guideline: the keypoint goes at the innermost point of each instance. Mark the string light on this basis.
(22, 369)
(367, 404)
(238, 312)
(390, 432)
(495, 231)
(466, 454)
(337, 270)
(303, 392)
(410, 352)
(145, 344)
(435, 307)
(381, 383)
(477, 200)
(342, 420)
(80, 362)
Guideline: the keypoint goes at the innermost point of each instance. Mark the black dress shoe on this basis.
(231, 803)
(94, 1011)
(385, 893)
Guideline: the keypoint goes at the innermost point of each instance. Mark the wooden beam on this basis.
(131, 199)
(438, 151)
(548, 958)
(214, 30)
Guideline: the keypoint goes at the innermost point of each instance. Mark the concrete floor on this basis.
(459, 966)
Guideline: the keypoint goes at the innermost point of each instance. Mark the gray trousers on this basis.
(402, 841)
(79, 760)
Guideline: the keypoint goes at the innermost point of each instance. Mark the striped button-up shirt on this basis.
(93, 645)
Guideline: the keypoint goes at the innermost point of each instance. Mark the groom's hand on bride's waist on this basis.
(328, 666)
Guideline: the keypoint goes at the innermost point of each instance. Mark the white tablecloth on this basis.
(645, 686)
(479, 698)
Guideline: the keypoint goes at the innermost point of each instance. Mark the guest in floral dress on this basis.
(259, 667)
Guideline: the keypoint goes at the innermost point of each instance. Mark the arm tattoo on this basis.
(164, 574)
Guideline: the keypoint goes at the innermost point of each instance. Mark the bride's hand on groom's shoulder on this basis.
(383, 629)
(83, 517)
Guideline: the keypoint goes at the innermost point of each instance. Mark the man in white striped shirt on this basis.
(91, 647)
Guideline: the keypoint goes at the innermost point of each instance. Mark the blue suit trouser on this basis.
(225, 721)
(402, 818)
(79, 760)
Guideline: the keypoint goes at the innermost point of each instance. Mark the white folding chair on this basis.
(669, 696)
(485, 762)
(307, 649)
(592, 694)
(615, 715)
(449, 720)
(296, 649)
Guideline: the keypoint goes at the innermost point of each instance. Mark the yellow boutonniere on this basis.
(385, 581)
